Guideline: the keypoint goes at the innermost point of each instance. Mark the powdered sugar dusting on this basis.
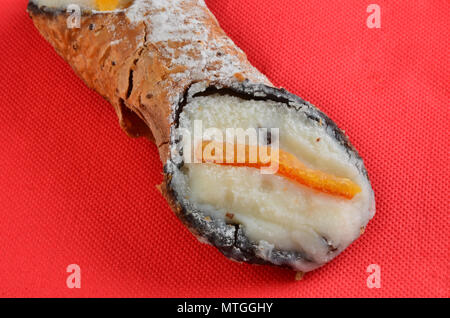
(138, 11)
(171, 21)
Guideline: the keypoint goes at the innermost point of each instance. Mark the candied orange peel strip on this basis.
(288, 166)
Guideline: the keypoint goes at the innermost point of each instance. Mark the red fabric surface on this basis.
(75, 190)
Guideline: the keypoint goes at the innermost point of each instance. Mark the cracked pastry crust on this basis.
(149, 60)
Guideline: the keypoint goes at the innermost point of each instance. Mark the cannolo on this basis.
(259, 173)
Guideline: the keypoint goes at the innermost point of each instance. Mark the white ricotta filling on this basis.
(276, 211)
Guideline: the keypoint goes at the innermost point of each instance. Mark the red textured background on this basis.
(75, 189)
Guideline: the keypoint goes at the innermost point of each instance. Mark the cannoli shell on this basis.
(143, 70)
